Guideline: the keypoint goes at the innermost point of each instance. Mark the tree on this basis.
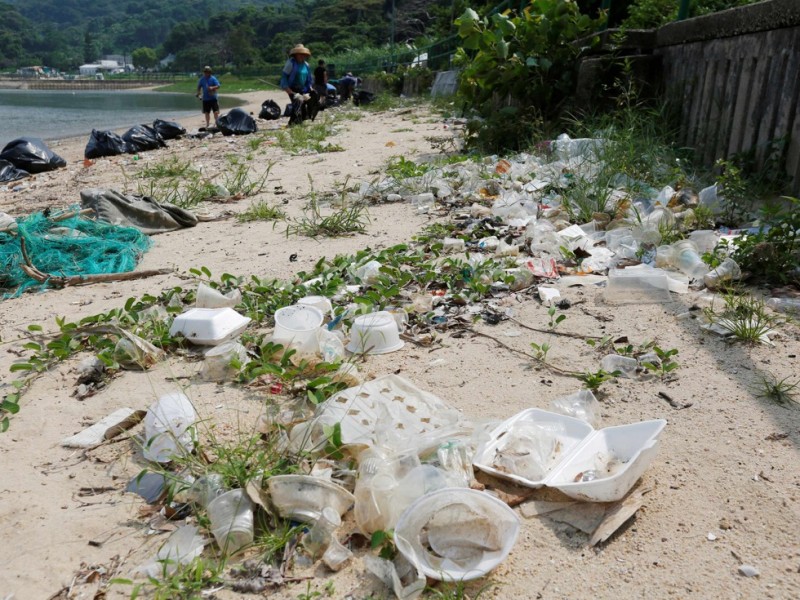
(144, 58)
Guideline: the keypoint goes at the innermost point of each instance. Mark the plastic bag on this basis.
(237, 122)
(104, 143)
(363, 97)
(168, 130)
(168, 427)
(581, 405)
(142, 137)
(8, 172)
(32, 155)
(270, 110)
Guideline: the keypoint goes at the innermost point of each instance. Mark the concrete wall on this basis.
(735, 78)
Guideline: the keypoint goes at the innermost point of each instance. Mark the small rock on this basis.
(749, 571)
(711, 537)
(724, 524)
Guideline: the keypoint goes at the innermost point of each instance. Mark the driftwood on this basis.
(59, 282)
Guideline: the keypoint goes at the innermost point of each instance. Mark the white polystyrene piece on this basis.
(375, 333)
(209, 326)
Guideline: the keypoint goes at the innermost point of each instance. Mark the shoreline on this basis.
(237, 101)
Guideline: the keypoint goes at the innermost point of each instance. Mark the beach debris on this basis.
(184, 545)
(99, 432)
(749, 571)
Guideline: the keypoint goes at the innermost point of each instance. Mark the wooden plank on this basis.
(793, 153)
(791, 91)
(699, 125)
(773, 94)
(715, 108)
(742, 103)
(735, 63)
(758, 92)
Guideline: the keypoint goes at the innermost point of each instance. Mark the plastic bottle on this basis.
(726, 271)
(787, 305)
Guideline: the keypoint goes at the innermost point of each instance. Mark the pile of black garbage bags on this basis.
(24, 156)
(137, 139)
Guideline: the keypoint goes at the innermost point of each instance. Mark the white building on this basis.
(101, 66)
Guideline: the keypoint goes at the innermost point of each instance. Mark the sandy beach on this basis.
(724, 487)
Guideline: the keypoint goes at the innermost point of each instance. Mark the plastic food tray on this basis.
(634, 445)
(209, 326)
(637, 286)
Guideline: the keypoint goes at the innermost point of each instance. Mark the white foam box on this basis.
(209, 326)
(634, 445)
(637, 286)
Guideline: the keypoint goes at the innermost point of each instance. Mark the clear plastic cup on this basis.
(231, 516)
(688, 260)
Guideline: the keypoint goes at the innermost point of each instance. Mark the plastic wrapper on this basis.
(168, 427)
(527, 450)
(581, 405)
(183, 546)
(237, 122)
(32, 155)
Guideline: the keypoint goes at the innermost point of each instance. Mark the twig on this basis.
(561, 333)
(553, 368)
(59, 282)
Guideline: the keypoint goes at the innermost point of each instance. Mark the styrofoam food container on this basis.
(209, 326)
(634, 445)
(297, 326)
(456, 523)
(375, 333)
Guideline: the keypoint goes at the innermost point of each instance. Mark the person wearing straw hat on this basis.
(297, 80)
(208, 86)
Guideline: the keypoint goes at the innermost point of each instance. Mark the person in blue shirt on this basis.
(297, 80)
(208, 86)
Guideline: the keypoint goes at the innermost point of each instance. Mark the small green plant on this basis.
(385, 541)
(593, 380)
(733, 190)
(347, 220)
(178, 582)
(744, 316)
(540, 350)
(457, 591)
(309, 594)
(273, 540)
(171, 167)
(308, 137)
(401, 168)
(330, 589)
(555, 321)
(665, 363)
(261, 211)
(781, 391)
(240, 182)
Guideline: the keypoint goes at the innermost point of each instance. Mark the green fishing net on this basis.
(72, 246)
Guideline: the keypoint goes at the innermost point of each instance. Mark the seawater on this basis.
(53, 115)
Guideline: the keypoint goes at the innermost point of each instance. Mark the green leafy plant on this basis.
(178, 582)
(309, 137)
(458, 591)
(540, 350)
(239, 180)
(384, 540)
(554, 321)
(593, 380)
(772, 254)
(665, 364)
(309, 594)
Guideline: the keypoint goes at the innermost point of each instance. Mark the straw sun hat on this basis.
(300, 49)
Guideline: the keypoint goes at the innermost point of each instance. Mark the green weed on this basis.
(178, 582)
(346, 220)
(261, 211)
(665, 363)
(308, 137)
(780, 391)
(593, 380)
(744, 316)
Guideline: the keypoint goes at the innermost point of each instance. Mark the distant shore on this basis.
(79, 84)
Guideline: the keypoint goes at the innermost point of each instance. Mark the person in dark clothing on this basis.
(321, 81)
(347, 86)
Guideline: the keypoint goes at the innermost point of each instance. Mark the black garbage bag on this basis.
(289, 110)
(8, 172)
(237, 122)
(363, 97)
(168, 130)
(32, 155)
(270, 110)
(104, 143)
(142, 137)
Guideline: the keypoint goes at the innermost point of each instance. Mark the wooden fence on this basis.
(735, 78)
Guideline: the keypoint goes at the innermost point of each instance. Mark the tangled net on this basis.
(65, 244)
